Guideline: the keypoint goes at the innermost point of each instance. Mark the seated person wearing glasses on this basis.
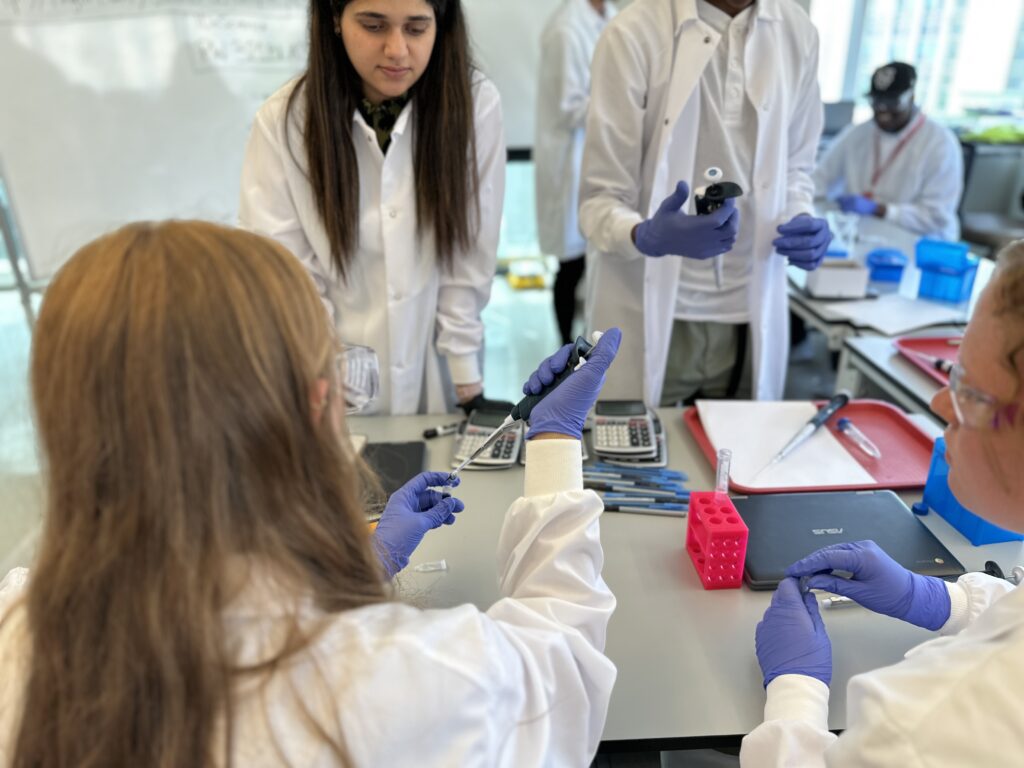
(901, 166)
(206, 591)
(955, 700)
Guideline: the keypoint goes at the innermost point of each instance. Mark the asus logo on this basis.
(826, 531)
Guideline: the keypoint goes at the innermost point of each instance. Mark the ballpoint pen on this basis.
(862, 441)
(824, 414)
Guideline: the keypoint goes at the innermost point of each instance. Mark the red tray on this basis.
(937, 346)
(907, 451)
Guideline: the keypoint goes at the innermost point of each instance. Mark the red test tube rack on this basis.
(716, 540)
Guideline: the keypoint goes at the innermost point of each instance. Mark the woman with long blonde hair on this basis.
(206, 591)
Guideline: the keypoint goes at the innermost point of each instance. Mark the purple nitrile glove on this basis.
(878, 583)
(411, 511)
(865, 206)
(670, 231)
(565, 408)
(791, 638)
(804, 241)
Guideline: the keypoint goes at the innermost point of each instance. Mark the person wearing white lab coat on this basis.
(206, 591)
(650, 78)
(901, 166)
(399, 224)
(563, 90)
(955, 700)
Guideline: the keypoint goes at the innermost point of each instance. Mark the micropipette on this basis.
(824, 414)
(521, 412)
(711, 198)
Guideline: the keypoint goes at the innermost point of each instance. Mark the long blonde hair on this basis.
(173, 368)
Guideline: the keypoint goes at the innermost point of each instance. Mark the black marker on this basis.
(446, 429)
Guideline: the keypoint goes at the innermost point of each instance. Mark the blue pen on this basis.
(682, 495)
(641, 471)
(629, 483)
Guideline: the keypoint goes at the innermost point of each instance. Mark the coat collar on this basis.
(685, 11)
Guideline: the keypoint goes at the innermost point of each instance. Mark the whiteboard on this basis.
(119, 110)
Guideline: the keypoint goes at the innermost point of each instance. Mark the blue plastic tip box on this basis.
(947, 270)
(939, 498)
(886, 265)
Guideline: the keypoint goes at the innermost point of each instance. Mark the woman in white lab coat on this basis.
(382, 168)
(956, 700)
(206, 592)
(644, 109)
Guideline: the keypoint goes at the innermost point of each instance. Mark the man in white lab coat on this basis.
(901, 166)
(677, 86)
(566, 47)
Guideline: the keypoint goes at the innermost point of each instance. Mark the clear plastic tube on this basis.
(722, 475)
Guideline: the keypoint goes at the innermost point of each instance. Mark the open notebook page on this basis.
(756, 430)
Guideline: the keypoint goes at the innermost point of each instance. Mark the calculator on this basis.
(475, 431)
(623, 428)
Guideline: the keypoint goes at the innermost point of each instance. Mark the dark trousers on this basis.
(568, 277)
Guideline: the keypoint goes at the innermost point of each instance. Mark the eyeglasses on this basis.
(357, 373)
(976, 409)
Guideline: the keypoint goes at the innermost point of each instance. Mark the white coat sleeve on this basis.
(554, 615)
(266, 206)
(807, 119)
(564, 64)
(465, 289)
(969, 597)
(934, 211)
(795, 728)
(610, 179)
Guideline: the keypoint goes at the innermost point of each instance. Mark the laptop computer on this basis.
(786, 527)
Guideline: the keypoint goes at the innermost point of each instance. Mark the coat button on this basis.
(393, 213)
(707, 39)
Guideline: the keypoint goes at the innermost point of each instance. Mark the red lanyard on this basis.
(880, 169)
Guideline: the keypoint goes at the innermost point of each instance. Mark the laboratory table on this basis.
(687, 673)
(875, 359)
(821, 314)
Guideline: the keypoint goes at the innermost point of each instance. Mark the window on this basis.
(969, 54)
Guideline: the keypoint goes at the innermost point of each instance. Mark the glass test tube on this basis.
(722, 475)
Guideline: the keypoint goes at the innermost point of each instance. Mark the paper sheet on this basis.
(895, 314)
(756, 431)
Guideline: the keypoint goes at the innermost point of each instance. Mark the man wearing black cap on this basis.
(901, 166)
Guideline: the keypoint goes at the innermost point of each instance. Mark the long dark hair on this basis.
(444, 153)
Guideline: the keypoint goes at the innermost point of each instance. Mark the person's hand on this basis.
(564, 410)
(878, 583)
(481, 403)
(465, 393)
(670, 231)
(803, 240)
(791, 638)
(864, 206)
(411, 511)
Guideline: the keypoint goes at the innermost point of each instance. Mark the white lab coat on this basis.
(953, 701)
(398, 299)
(566, 47)
(645, 79)
(921, 188)
(525, 683)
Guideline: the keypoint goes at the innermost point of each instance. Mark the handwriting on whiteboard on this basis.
(15, 11)
(244, 41)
